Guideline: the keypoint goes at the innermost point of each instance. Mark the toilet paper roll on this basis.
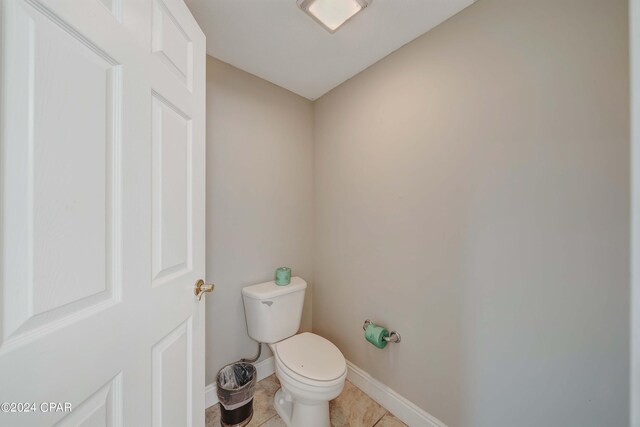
(375, 335)
(283, 276)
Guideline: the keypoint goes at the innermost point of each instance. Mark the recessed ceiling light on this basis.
(331, 14)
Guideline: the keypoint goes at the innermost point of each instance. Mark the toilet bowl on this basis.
(311, 369)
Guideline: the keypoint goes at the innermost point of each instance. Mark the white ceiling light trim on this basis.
(332, 14)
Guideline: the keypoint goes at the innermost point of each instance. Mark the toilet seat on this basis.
(310, 359)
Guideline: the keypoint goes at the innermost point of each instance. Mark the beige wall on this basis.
(259, 199)
(634, 20)
(472, 191)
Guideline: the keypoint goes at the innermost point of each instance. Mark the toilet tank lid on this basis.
(270, 290)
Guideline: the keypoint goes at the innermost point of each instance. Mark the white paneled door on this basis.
(102, 213)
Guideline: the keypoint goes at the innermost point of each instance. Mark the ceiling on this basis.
(275, 40)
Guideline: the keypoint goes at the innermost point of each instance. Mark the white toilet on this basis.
(310, 368)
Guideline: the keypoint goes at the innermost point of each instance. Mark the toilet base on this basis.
(300, 414)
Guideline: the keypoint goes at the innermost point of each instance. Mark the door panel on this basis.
(56, 219)
(102, 409)
(172, 178)
(102, 212)
(172, 43)
(172, 371)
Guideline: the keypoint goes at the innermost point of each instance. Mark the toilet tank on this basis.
(273, 312)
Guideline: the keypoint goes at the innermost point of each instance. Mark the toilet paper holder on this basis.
(394, 336)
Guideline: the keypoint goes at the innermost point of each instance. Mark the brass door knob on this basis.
(201, 288)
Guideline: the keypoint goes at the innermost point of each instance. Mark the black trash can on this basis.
(236, 384)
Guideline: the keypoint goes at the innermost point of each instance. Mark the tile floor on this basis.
(352, 408)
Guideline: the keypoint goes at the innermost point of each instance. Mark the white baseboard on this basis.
(210, 395)
(403, 409)
(264, 368)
